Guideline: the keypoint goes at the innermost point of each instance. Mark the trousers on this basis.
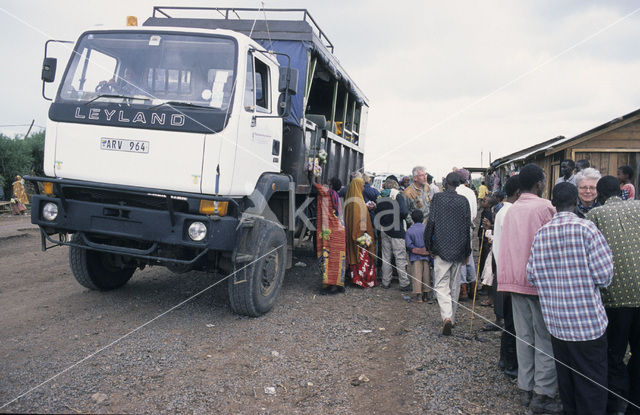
(468, 270)
(508, 352)
(582, 395)
(447, 287)
(623, 330)
(421, 276)
(536, 367)
(397, 248)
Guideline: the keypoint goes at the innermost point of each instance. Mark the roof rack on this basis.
(232, 13)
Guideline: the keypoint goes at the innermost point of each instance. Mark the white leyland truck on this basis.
(189, 143)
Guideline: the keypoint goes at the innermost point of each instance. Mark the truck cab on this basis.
(191, 143)
(188, 110)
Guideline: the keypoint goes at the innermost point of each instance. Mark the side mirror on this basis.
(288, 81)
(49, 69)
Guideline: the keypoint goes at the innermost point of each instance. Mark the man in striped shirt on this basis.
(570, 261)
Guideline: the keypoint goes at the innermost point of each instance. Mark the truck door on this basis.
(260, 129)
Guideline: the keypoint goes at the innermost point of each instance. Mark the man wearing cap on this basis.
(447, 238)
(405, 182)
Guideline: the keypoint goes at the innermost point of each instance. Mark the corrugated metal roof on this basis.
(527, 152)
(559, 143)
(619, 120)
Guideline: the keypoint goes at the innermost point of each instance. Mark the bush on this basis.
(20, 157)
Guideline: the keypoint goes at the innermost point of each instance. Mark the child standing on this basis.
(419, 258)
(628, 191)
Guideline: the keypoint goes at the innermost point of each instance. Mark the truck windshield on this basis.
(153, 68)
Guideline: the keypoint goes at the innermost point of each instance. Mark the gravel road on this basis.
(365, 351)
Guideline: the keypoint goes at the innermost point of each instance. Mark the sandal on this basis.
(419, 298)
(486, 303)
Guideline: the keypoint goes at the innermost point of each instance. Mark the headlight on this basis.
(197, 231)
(50, 211)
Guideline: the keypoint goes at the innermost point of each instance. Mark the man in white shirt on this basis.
(467, 192)
(508, 359)
(468, 271)
(566, 172)
(433, 188)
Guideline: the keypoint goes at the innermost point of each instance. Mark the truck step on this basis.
(242, 258)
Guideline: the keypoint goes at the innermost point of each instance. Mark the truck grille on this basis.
(124, 199)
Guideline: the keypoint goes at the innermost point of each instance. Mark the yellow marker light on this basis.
(132, 21)
(212, 207)
(48, 188)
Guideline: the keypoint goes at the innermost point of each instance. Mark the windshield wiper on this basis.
(97, 97)
(179, 104)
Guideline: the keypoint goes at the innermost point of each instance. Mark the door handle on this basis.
(253, 121)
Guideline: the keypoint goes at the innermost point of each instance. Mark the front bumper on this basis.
(137, 231)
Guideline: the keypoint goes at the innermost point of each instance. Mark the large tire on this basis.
(253, 289)
(96, 270)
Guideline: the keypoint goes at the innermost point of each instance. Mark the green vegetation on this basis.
(20, 157)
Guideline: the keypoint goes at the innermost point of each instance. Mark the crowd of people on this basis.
(563, 275)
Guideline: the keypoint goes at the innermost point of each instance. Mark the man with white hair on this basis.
(417, 193)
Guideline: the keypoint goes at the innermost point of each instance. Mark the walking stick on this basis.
(475, 289)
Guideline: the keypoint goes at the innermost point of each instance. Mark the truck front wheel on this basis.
(253, 288)
(97, 270)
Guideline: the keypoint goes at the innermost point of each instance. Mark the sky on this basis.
(448, 82)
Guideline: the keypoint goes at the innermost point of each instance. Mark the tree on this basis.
(20, 157)
(35, 144)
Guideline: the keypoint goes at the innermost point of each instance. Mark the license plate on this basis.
(131, 146)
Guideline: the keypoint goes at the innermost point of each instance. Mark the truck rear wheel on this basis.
(254, 288)
(97, 270)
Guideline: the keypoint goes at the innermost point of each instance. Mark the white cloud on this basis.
(482, 51)
(419, 62)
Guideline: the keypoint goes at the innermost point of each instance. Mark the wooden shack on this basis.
(535, 154)
(607, 147)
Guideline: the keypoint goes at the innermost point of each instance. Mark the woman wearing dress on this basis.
(360, 244)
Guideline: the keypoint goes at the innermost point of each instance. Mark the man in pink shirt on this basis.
(536, 366)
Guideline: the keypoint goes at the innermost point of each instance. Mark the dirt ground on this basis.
(71, 350)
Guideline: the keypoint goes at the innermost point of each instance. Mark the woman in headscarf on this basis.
(360, 244)
(19, 196)
(330, 238)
